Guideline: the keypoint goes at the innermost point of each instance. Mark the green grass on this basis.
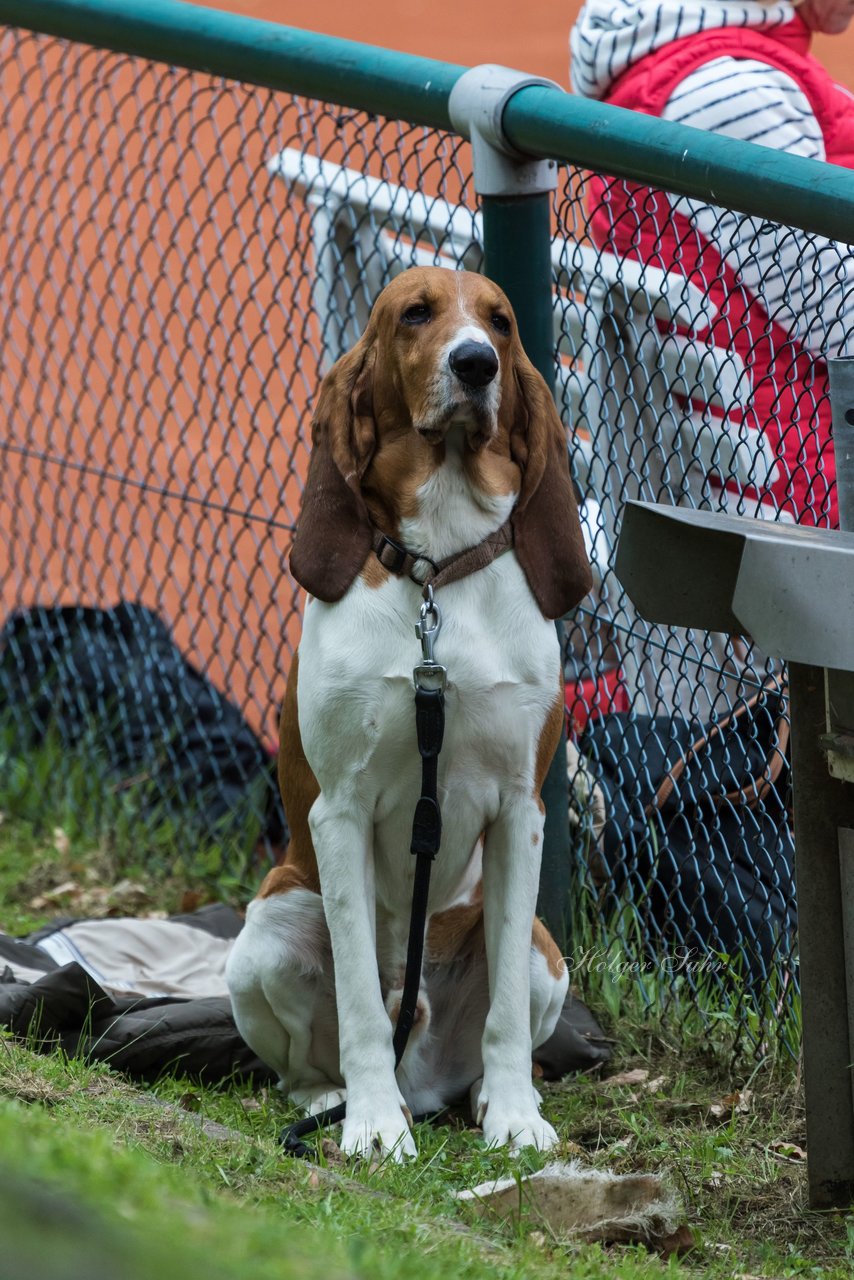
(647, 998)
(137, 1174)
(101, 1178)
(66, 826)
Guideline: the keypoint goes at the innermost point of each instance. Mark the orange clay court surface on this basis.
(152, 325)
(532, 35)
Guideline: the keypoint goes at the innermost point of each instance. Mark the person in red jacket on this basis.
(783, 299)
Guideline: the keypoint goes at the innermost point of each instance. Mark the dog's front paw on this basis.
(372, 1132)
(514, 1122)
(517, 1127)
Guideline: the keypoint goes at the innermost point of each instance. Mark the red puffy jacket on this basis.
(787, 399)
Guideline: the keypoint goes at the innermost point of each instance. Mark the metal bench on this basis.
(789, 588)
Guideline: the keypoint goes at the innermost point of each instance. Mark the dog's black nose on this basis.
(474, 363)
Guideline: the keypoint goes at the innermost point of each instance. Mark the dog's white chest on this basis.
(357, 708)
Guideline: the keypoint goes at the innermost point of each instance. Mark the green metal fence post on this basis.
(516, 198)
(517, 256)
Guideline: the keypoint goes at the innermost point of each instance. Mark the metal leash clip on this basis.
(429, 674)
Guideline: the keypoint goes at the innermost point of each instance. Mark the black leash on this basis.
(430, 679)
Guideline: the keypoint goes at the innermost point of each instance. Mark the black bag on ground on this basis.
(698, 834)
(114, 680)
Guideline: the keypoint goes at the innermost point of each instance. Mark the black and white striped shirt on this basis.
(805, 281)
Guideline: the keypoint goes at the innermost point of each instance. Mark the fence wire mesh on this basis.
(186, 257)
(690, 368)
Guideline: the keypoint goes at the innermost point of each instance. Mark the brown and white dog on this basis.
(435, 429)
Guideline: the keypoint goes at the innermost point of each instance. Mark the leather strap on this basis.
(393, 556)
(430, 727)
(758, 787)
(426, 838)
(399, 560)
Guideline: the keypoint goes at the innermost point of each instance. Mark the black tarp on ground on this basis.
(146, 1038)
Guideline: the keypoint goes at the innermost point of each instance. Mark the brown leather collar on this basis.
(399, 560)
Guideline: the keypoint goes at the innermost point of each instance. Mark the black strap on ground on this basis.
(426, 838)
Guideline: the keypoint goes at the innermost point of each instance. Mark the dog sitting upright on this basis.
(433, 433)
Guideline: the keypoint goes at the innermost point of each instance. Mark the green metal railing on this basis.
(538, 121)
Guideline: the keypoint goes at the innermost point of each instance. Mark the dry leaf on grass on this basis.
(788, 1151)
(637, 1076)
(332, 1153)
(64, 893)
(61, 842)
(129, 892)
(734, 1104)
(126, 897)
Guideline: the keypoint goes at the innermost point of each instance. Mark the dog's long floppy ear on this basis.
(333, 534)
(547, 532)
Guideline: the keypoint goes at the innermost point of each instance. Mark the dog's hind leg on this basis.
(549, 984)
(279, 976)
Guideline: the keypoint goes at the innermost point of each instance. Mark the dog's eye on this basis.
(501, 324)
(418, 314)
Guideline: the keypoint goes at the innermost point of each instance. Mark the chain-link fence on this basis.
(185, 257)
(164, 332)
(691, 375)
